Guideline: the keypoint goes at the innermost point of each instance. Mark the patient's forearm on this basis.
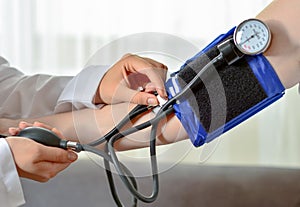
(87, 125)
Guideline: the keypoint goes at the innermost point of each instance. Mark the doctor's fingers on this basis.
(154, 63)
(49, 162)
(21, 125)
(34, 176)
(155, 71)
(157, 64)
(133, 96)
(53, 129)
(44, 171)
(56, 155)
(24, 124)
(155, 76)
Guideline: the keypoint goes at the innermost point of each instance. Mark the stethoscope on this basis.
(251, 37)
(48, 138)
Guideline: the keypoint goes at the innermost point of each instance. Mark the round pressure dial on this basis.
(252, 37)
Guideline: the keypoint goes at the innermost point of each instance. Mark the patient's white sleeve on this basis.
(11, 193)
(80, 91)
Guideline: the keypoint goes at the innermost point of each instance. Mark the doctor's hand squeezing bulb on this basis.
(48, 138)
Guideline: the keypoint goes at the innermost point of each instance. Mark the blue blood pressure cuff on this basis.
(225, 96)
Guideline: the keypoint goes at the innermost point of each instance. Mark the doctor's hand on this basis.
(36, 161)
(133, 79)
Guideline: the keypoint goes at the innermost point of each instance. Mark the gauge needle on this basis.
(247, 39)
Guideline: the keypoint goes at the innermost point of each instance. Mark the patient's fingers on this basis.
(16, 130)
(22, 125)
(39, 124)
(55, 130)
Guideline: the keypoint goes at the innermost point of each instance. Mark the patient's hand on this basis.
(121, 82)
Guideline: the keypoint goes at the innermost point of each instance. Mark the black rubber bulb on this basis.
(43, 136)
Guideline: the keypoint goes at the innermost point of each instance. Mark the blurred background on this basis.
(60, 37)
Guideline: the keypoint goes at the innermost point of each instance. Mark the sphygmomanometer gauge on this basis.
(252, 37)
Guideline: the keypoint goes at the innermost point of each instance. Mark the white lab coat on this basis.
(39, 95)
(33, 96)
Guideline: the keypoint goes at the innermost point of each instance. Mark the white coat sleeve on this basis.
(11, 193)
(80, 91)
(40, 95)
(28, 96)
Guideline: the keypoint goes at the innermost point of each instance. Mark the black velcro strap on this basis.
(241, 87)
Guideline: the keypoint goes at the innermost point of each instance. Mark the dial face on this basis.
(252, 37)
